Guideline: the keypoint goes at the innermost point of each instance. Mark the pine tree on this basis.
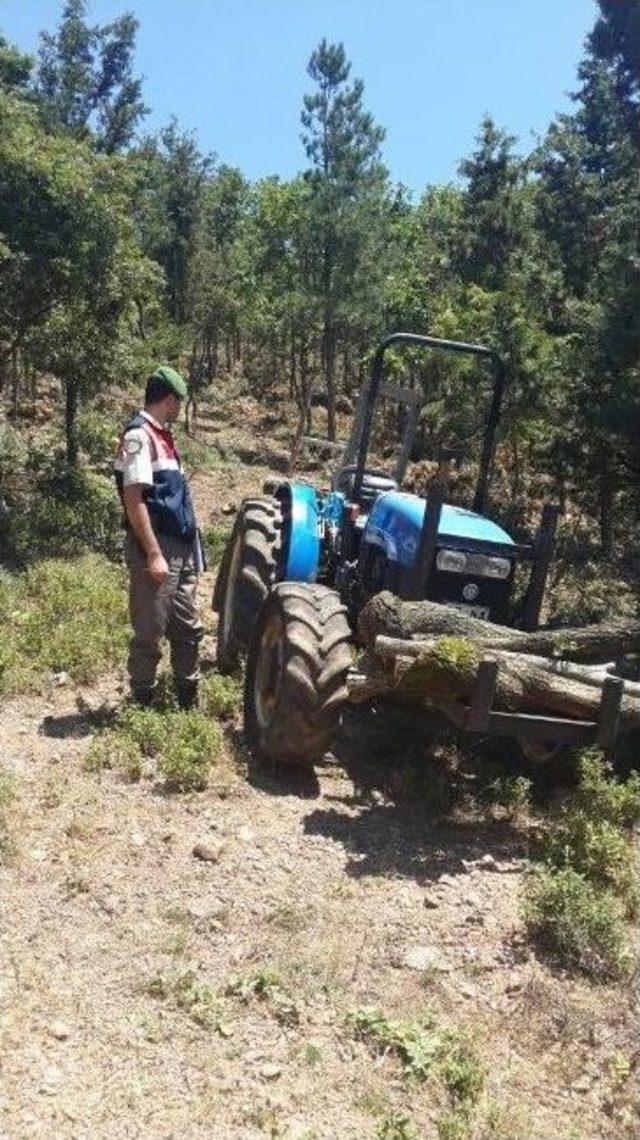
(347, 179)
(85, 82)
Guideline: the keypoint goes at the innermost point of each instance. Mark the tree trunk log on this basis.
(387, 615)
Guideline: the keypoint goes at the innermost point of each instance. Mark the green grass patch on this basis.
(215, 539)
(267, 985)
(186, 993)
(180, 747)
(577, 899)
(61, 617)
(428, 1051)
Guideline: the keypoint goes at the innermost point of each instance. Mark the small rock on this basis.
(423, 958)
(270, 1072)
(471, 900)
(61, 678)
(207, 854)
(109, 905)
(60, 1031)
(583, 1084)
(50, 1081)
(429, 903)
(245, 834)
(474, 919)
(514, 985)
(468, 991)
(228, 509)
(447, 881)
(137, 839)
(487, 863)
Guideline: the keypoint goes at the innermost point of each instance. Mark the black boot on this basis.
(187, 694)
(142, 696)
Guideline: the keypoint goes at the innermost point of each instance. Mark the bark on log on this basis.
(388, 615)
(522, 686)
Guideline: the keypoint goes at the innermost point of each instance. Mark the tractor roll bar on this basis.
(448, 346)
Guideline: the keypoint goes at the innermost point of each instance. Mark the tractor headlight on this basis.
(480, 565)
(494, 567)
(455, 561)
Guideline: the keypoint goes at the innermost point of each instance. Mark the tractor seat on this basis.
(373, 483)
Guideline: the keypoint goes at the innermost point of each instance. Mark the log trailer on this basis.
(302, 564)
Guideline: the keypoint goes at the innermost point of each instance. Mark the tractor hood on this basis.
(396, 518)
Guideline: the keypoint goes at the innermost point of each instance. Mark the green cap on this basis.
(172, 379)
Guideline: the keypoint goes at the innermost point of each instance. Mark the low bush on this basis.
(583, 925)
(61, 617)
(63, 514)
(220, 696)
(596, 849)
(180, 746)
(577, 899)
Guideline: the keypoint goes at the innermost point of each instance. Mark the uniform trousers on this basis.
(163, 610)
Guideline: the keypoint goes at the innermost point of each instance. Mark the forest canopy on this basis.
(120, 247)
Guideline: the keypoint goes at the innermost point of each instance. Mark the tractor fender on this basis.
(303, 531)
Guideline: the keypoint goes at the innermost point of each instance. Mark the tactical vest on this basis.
(168, 500)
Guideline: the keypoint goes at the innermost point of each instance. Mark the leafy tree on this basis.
(70, 264)
(347, 180)
(173, 175)
(15, 68)
(85, 82)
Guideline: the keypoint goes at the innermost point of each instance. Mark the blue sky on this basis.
(235, 70)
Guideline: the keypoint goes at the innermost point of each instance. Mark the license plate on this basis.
(481, 612)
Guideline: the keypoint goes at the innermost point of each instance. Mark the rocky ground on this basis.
(185, 965)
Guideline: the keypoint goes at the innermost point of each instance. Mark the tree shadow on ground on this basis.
(77, 725)
(418, 805)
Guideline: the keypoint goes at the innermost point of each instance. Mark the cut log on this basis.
(435, 677)
(387, 615)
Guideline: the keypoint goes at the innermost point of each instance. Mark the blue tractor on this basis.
(301, 563)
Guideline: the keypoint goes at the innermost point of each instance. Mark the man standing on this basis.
(161, 543)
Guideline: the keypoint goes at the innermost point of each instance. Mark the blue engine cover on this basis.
(396, 518)
(304, 536)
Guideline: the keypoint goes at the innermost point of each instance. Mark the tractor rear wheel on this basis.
(295, 683)
(250, 566)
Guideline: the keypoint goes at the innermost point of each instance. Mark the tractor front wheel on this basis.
(295, 683)
(250, 566)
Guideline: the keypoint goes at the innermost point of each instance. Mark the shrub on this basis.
(183, 745)
(582, 924)
(602, 797)
(185, 758)
(596, 849)
(220, 696)
(62, 515)
(66, 617)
